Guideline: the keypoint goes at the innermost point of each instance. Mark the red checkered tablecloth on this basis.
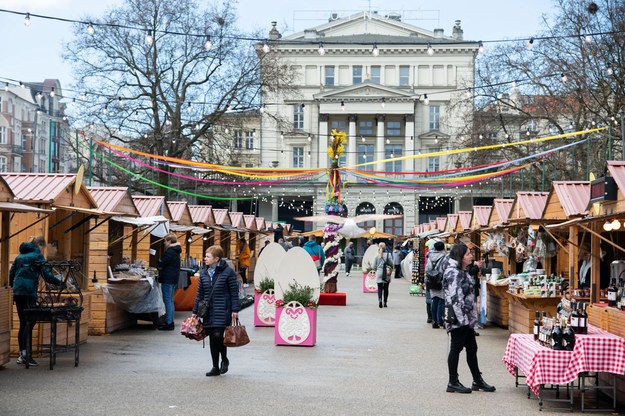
(597, 351)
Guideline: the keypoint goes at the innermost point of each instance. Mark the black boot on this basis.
(428, 307)
(480, 384)
(455, 386)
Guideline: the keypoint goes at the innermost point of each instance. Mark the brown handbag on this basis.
(235, 335)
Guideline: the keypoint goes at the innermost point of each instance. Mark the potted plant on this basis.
(296, 317)
(264, 303)
(369, 283)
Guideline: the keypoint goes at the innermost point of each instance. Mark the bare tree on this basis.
(158, 75)
(567, 78)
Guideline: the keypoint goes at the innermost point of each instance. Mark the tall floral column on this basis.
(331, 239)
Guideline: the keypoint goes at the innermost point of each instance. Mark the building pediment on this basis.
(433, 135)
(366, 90)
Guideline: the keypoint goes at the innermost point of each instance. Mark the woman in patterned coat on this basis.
(459, 293)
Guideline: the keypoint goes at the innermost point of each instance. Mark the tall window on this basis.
(404, 75)
(3, 135)
(298, 116)
(375, 74)
(365, 128)
(298, 157)
(238, 139)
(357, 74)
(435, 116)
(395, 225)
(393, 151)
(329, 75)
(434, 162)
(393, 128)
(249, 140)
(3, 164)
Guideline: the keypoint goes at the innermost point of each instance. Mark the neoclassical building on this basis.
(389, 86)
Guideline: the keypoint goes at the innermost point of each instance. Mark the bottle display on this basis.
(536, 326)
(568, 338)
(583, 320)
(556, 336)
(612, 292)
(574, 317)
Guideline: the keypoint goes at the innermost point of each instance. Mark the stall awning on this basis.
(141, 221)
(90, 211)
(184, 228)
(17, 207)
(428, 233)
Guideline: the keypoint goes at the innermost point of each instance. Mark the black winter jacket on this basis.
(169, 265)
(225, 299)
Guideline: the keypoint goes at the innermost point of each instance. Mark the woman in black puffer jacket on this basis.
(218, 277)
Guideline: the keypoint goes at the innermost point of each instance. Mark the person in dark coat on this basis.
(218, 286)
(168, 274)
(24, 279)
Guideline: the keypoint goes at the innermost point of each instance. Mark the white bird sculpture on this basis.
(349, 229)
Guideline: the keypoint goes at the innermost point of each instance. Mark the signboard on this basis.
(603, 189)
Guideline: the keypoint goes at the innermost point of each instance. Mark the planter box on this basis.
(369, 284)
(296, 325)
(265, 308)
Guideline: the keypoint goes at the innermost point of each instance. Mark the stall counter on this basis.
(522, 311)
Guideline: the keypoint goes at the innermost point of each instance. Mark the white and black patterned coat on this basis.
(459, 292)
(225, 298)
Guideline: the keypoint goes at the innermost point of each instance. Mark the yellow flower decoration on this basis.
(337, 147)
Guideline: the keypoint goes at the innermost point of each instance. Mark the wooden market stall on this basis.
(7, 208)
(182, 225)
(498, 222)
(107, 241)
(202, 216)
(151, 238)
(222, 234)
(66, 230)
(527, 211)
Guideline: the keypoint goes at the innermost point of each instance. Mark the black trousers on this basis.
(463, 337)
(397, 271)
(383, 292)
(21, 303)
(216, 343)
(243, 273)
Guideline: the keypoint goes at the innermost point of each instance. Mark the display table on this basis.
(522, 311)
(184, 299)
(54, 315)
(497, 304)
(598, 351)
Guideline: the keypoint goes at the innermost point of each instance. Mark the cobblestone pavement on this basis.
(367, 361)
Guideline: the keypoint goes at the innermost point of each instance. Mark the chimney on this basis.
(273, 33)
(438, 33)
(457, 32)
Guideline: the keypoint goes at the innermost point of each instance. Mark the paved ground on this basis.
(367, 361)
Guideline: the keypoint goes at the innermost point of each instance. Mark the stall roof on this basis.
(441, 222)
(529, 205)
(221, 217)
(150, 206)
(202, 214)
(465, 218)
(501, 213)
(180, 213)
(573, 197)
(56, 189)
(236, 219)
(617, 171)
(452, 221)
(481, 213)
(250, 222)
(114, 199)
(260, 224)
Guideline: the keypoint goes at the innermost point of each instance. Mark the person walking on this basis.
(315, 251)
(24, 278)
(350, 256)
(168, 273)
(244, 260)
(218, 287)
(460, 297)
(436, 260)
(382, 274)
(397, 257)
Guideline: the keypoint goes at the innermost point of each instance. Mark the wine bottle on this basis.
(583, 320)
(536, 326)
(612, 291)
(574, 317)
(556, 336)
(569, 338)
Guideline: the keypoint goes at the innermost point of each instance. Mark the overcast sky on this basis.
(33, 54)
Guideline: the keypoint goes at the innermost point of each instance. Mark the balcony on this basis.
(12, 149)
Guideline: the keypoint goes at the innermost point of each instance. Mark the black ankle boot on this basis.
(224, 366)
(480, 384)
(214, 372)
(455, 386)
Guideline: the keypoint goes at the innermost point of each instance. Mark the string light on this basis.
(90, 29)
(426, 100)
(266, 48)
(189, 107)
(430, 50)
(480, 47)
(321, 49)
(563, 78)
(208, 45)
(530, 43)
(616, 225)
(27, 20)
(149, 39)
(342, 105)
(383, 103)
(375, 51)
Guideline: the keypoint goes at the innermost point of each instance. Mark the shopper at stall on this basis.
(436, 263)
(244, 260)
(315, 251)
(219, 288)
(461, 321)
(397, 258)
(24, 279)
(168, 272)
(350, 256)
(383, 277)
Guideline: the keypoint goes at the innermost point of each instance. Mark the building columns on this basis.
(323, 141)
(409, 142)
(379, 141)
(351, 141)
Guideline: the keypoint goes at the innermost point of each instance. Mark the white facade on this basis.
(378, 100)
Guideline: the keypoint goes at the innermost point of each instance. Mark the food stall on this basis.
(182, 225)
(147, 242)
(66, 229)
(202, 216)
(8, 208)
(107, 237)
(222, 234)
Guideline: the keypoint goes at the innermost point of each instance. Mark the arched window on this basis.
(363, 209)
(394, 226)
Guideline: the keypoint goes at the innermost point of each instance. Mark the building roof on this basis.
(180, 213)
(481, 213)
(529, 205)
(114, 199)
(573, 196)
(151, 206)
(202, 214)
